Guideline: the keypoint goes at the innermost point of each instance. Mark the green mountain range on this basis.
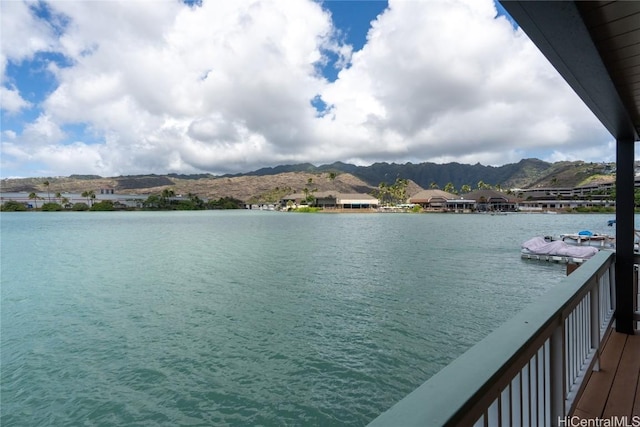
(526, 173)
(268, 184)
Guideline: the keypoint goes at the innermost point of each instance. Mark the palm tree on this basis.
(308, 194)
(434, 186)
(465, 189)
(90, 195)
(383, 192)
(35, 198)
(153, 201)
(483, 185)
(196, 201)
(167, 193)
(399, 190)
(450, 188)
(46, 184)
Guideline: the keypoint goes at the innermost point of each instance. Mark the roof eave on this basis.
(559, 32)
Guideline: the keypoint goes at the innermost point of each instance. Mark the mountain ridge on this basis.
(270, 183)
(524, 174)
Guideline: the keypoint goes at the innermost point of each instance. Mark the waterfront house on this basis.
(326, 199)
(460, 205)
(541, 205)
(570, 358)
(294, 199)
(332, 200)
(433, 199)
(356, 201)
(492, 200)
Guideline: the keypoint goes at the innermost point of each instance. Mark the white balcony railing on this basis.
(530, 370)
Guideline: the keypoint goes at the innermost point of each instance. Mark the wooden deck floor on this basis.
(614, 390)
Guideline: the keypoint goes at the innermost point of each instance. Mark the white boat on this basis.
(542, 249)
(597, 240)
(587, 238)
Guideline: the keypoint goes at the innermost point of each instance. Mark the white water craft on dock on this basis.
(541, 249)
(588, 238)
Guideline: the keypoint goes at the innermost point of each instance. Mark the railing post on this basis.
(612, 287)
(636, 298)
(557, 374)
(595, 323)
(625, 152)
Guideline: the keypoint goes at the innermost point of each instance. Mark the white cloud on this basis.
(446, 80)
(22, 35)
(11, 101)
(229, 73)
(42, 132)
(226, 87)
(595, 153)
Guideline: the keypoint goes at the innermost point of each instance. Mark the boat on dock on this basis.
(558, 251)
(588, 238)
(597, 240)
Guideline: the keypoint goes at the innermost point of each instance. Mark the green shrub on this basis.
(225, 203)
(188, 205)
(12, 206)
(307, 209)
(51, 207)
(80, 207)
(594, 209)
(104, 205)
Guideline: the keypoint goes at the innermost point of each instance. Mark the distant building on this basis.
(492, 200)
(437, 200)
(332, 200)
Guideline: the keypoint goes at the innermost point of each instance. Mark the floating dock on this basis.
(558, 259)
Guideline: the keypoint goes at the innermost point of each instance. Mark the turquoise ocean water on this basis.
(249, 318)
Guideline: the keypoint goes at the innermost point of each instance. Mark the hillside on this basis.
(270, 184)
(524, 174)
(269, 188)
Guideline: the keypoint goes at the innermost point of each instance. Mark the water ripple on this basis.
(245, 318)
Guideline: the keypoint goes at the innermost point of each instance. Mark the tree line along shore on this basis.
(166, 200)
(395, 194)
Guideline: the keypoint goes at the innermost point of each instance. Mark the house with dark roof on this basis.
(434, 200)
(492, 200)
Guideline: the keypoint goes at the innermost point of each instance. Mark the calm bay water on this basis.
(250, 318)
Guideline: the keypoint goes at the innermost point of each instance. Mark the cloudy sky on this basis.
(158, 86)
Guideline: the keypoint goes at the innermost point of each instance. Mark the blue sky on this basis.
(166, 86)
(353, 19)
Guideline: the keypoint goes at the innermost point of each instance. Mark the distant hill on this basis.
(270, 184)
(524, 174)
